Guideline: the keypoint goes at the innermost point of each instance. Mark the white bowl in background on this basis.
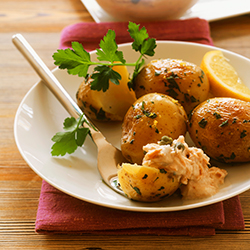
(146, 10)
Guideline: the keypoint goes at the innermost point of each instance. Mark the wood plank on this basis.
(41, 23)
(37, 16)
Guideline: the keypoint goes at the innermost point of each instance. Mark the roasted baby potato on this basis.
(151, 117)
(146, 184)
(184, 81)
(221, 127)
(111, 105)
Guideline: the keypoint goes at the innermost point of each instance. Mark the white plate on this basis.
(211, 10)
(40, 116)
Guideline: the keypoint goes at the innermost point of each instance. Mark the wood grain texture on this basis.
(41, 23)
(41, 16)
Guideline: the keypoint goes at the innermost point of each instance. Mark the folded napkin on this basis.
(90, 34)
(59, 213)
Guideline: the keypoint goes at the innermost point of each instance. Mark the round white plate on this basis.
(40, 116)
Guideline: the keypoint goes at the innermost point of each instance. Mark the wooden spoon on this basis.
(109, 157)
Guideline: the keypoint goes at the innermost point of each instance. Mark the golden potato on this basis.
(151, 117)
(184, 81)
(147, 184)
(110, 105)
(221, 127)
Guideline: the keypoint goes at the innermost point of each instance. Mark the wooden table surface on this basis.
(41, 23)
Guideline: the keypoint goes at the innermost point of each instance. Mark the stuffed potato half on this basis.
(151, 117)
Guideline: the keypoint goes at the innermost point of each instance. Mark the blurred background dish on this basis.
(146, 10)
(211, 10)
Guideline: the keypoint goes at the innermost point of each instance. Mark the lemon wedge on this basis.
(223, 78)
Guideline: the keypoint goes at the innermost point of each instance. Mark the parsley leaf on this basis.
(73, 137)
(109, 49)
(76, 61)
(103, 76)
(141, 43)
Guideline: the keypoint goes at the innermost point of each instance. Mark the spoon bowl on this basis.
(109, 157)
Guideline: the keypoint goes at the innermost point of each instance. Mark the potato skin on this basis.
(221, 127)
(147, 184)
(151, 117)
(184, 81)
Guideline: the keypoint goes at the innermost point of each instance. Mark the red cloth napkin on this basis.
(59, 213)
(90, 34)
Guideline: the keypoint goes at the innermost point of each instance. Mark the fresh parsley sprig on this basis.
(77, 60)
(74, 136)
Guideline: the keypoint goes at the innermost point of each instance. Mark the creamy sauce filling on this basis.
(190, 164)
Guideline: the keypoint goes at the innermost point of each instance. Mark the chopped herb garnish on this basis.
(163, 171)
(172, 93)
(137, 116)
(232, 156)
(217, 115)
(243, 134)
(193, 99)
(172, 83)
(156, 179)
(224, 123)
(201, 76)
(186, 96)
(142, 105)
(223, 158)
(137, 190)
(202, 123)
(149, 114)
